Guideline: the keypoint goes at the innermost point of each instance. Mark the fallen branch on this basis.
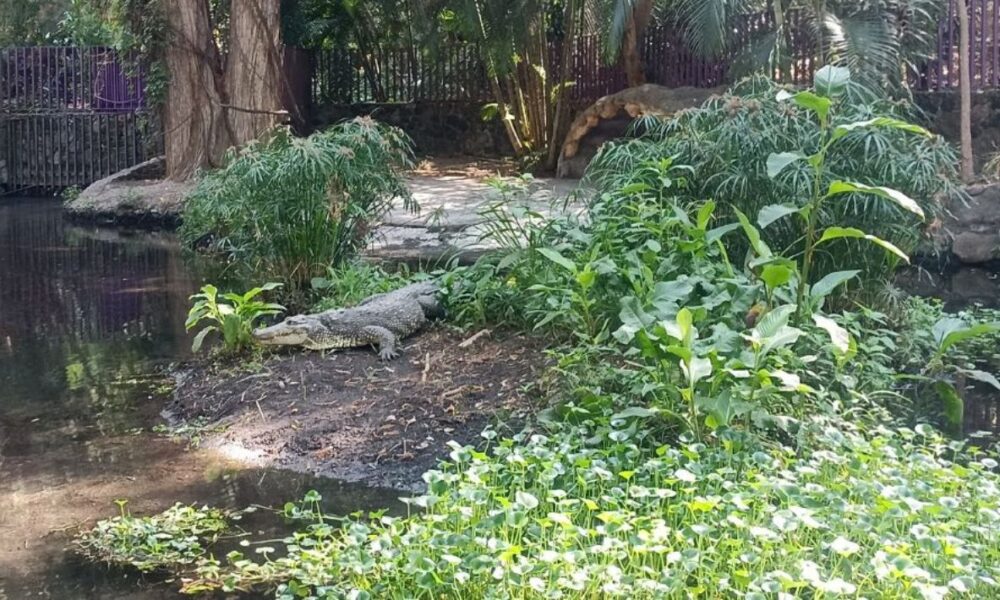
(472, 340)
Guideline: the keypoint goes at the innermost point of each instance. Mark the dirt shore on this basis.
(350, 416)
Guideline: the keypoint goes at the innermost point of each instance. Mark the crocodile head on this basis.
(293, 331)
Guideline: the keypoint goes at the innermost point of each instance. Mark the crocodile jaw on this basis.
(281, 335)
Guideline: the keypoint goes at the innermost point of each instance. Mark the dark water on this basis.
(88, 317)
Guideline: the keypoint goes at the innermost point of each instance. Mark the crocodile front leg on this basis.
(383, 338)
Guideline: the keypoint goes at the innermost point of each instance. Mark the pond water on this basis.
(88, 317)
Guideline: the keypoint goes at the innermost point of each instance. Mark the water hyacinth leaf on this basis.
(558, 259)
(982, 376)
(778, 162)
(753, 235)
(839, 336)
(825, 286)
(771, 213)
(887, 122)
(848, 187)
(834, 233)
(831, 81)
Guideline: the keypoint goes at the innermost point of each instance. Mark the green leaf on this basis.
(831, 81)
(558, 259)
(718, 233)
(633, 319)
(635, 188)
(705, 214)
(773, 321)
(200, 338)
(952, 404)
(696, 369)
(824, 287)
(776, 275)
(772, 212)
(981, 376)
(888, 122)
(950, 331)
(634, 412)
(753, 235)
(776, 163)
(848, 187)
(834, 233)
(809, 101)
(839, 336)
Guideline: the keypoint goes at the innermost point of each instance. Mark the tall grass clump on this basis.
(287, 208)
(728, 141)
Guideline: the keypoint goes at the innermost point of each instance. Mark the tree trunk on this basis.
(213, 103)
(195, 134)
(254, 73)
(965, 91)
(635, 70)
(562, 91)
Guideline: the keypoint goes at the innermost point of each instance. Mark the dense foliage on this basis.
(287, 208)
(233, 316)
(716, 427)
(729, 141)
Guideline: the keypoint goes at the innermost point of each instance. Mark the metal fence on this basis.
(70, 116)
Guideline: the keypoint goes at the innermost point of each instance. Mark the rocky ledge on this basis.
(138, 196)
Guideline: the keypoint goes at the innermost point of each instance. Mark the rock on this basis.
(971, 285)
(975, 248)
(610, 117)
(136, 196)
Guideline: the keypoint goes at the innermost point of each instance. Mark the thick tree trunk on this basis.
(195, 133)
(635, 70)
(965, 91)
(213, 103)
(254, 73)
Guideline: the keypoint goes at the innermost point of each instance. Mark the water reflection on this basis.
(86, 315)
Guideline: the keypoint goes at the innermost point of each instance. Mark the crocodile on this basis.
(381, 320)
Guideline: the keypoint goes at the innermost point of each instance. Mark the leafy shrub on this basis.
(349, 284)
(178, 536)
(601, 509)
(287, 208)
(729, 140)
(234, 316)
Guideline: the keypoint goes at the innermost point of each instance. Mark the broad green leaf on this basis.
(697, 369)
(810, 101)
(685, 322)
(558, 259)
(526, 499)
(718, 233)
(831, 81)
(950, 331)
(776, 163)
(776, 275)
(888, 122)
(834, 233)
(786, 336)
(952, 404)
(632, 412)
(824, 287)
(635, 188)
(848, 187)
(982, 376)
(773, 321)
(200, 338)
(633, 319)
(705, 215)
(839, 336)
(772, 212)
(753, 235)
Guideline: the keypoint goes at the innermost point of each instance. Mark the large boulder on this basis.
(609, 118)
(971, 225)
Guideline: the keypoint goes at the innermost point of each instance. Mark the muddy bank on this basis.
(349, 416)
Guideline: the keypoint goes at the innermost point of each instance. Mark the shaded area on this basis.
(88, 317)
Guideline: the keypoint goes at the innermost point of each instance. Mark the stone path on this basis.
(451, 221)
